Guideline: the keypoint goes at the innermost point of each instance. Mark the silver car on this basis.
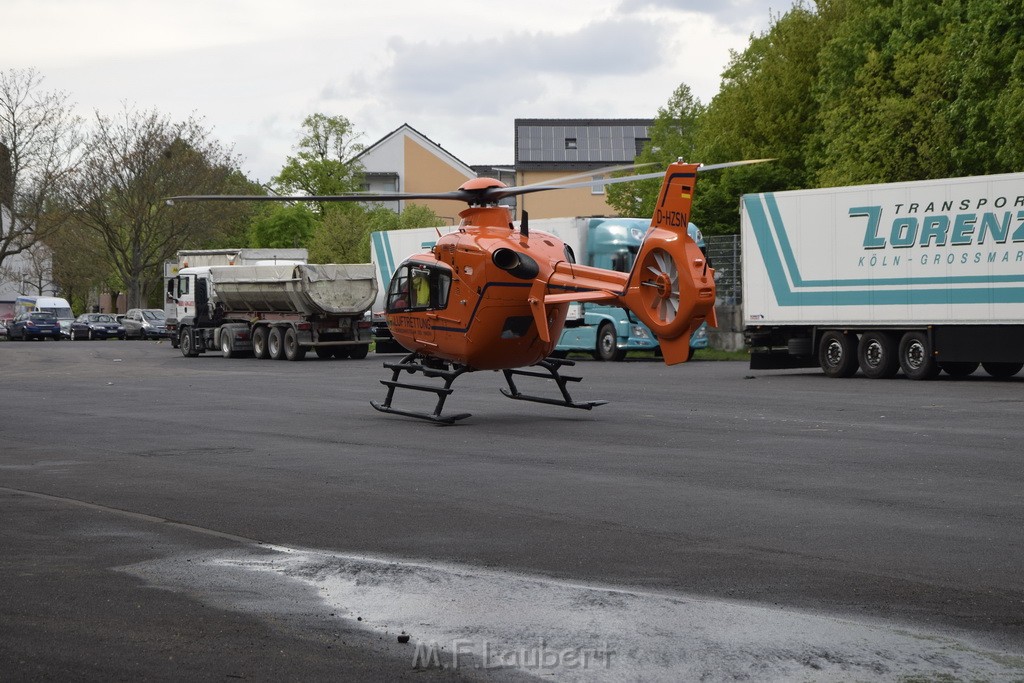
(145, 323)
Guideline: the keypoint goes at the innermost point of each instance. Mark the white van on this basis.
(53, 304)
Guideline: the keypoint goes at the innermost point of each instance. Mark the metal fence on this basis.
(724, 257)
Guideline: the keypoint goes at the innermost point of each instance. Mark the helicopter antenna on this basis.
(524, 225)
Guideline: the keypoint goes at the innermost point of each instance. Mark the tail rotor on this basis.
(660, 278)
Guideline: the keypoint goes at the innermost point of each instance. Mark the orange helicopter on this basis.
(489, 296)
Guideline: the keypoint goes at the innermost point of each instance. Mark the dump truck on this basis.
(240, 256)
(274, 311)
(923, 276)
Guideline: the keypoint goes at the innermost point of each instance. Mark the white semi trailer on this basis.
(923, 277)
(274, 311)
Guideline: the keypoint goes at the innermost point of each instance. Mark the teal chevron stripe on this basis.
(386, 260)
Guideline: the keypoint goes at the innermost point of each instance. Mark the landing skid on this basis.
(415, 363)
(551, 366)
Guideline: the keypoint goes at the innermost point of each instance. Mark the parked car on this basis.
(96, 326)
(35, 325)
(145, 323)
(5, 324)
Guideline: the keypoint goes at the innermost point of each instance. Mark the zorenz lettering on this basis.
(940, 230)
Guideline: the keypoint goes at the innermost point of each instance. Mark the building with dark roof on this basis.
(547, 149)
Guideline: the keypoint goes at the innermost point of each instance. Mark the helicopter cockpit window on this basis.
(417, 287)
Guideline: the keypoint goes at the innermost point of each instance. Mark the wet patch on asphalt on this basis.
(494, 622)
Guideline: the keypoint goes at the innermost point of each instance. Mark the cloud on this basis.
(722, 11)
(478, 76)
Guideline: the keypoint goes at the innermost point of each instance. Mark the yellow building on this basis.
(405, 160)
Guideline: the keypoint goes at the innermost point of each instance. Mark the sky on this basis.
(458, 72)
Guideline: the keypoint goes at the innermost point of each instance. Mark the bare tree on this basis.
(35, 273)
(39, 137)
(130, 166)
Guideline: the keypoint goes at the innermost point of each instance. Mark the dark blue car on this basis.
(96, 326)
(34, 325)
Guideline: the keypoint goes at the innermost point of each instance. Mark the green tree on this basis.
(283, 226)
(986, 63)
(762, 110)
(324, 163)
(673, 136)
(884, 94)
(344, 237)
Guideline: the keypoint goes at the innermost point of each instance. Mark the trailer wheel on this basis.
(275, 343)
(1002, 370)
(359, 352)
(877, 355)
(293, 350)
(259, 342)
(607, 347)
(323, 352)
(225, 343)
(916, 357)
(959, 370)
(837, 353)
(185, 343)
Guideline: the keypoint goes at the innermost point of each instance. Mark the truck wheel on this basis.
(259, 342)
(185, 343)
(292, 349)
(607, 349)
(275, 343)
(225, 343)
(323, 352)
(877, 355)
(1002, 370)
(359, 352)
(958, 370)
(916, 356)
(837, 353)
(341, 352)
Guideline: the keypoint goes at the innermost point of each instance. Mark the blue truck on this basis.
(607, 332)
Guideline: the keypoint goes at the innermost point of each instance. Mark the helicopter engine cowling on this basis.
(515, 263)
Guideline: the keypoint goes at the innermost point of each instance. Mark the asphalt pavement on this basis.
(210, 518)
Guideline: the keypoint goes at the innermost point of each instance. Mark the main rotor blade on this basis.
(459, 195)
(590, 174)
(730, 164)
(485, 195)
(502, 192)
